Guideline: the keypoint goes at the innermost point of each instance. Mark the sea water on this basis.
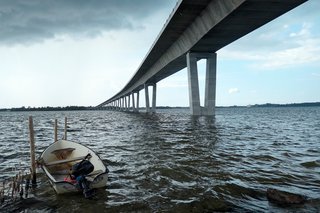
(173, 162)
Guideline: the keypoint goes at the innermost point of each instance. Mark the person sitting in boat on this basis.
(79, 172)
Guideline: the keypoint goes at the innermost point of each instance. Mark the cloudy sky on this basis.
(80, 52)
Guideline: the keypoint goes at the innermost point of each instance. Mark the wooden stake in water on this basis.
(55, 130)
(32, 152)
(65, 128)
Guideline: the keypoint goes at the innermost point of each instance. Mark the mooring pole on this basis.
(55, 130)
(32, 152)
(65, 128)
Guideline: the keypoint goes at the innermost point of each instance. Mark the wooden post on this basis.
(32, 152)
(65, 128)
(55, 130)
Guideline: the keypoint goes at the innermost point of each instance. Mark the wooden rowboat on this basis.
(58, 160)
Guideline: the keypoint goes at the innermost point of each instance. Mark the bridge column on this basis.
(154, 98)
(210, 84)
(137, 108)
(194, 96)
(133, 102)
(128, 102)
(125, 103)
(147, 98)
(120, 101)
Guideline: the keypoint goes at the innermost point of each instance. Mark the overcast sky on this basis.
(81, 52)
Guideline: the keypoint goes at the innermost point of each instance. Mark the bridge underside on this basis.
(202, 26)
(241, 20)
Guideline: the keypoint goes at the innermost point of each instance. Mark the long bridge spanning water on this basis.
(196, 30)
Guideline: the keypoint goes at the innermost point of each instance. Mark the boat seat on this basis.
(63, 153)
(65, 161)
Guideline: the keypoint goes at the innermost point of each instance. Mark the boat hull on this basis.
(63, 187)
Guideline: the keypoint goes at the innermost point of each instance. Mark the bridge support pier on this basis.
(147, 98)
(128, 102)
(124, 103)
(154, 98)
(133, 102)
(137, 108)
(210, 84)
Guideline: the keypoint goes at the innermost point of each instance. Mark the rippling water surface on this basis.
(173, 162)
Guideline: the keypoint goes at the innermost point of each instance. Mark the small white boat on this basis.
(59, 159)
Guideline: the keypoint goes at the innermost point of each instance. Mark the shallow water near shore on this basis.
(174, 162)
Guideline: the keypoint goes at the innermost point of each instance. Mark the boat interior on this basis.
(60, 168)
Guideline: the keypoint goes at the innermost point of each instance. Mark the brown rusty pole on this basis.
(65, 128)
(55, 130)
(32, 152)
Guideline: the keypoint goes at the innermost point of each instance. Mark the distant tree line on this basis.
(48, 108)
(307, 104)
(72, 108)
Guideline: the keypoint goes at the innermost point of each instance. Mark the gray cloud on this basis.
(277, 34)
(28, 21)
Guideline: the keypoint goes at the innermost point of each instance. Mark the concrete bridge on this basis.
(195, 30)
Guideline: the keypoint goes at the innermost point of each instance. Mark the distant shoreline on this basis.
(80, 108)
(305, 104)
